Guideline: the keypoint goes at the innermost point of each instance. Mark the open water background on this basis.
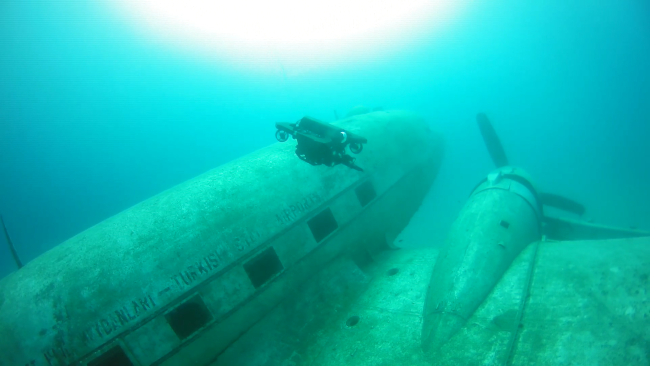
(95, 116)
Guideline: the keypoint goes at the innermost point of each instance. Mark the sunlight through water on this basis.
(250, 29)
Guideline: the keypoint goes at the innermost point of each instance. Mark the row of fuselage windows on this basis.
(193, 314)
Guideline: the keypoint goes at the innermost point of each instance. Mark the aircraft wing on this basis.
(588, 303)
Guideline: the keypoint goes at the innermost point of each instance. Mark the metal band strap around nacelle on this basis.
(516, 184)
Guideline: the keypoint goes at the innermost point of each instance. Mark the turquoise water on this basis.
(95, 116)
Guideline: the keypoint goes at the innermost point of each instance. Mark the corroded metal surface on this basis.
(587, 304)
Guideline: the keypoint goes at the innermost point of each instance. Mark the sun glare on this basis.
(250, 27)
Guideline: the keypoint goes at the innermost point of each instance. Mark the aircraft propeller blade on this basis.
(492, 141)
(499, 158)
(562, 203)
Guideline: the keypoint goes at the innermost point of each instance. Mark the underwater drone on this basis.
(320, 143)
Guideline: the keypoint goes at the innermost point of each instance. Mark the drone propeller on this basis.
(499, 158)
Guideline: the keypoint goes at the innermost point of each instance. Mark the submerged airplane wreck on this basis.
(512, 286)
(176, 279)
(298, 268)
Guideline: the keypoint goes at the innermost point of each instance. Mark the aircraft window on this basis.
(188, 317)
(112, 357)
(365, 193)
(264, 266)
(322, 224)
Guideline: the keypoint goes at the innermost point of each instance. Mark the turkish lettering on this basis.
(217, 258)
(57, 356)
(296, 209)
(197, 270)
(119, 318)
(190, 275)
